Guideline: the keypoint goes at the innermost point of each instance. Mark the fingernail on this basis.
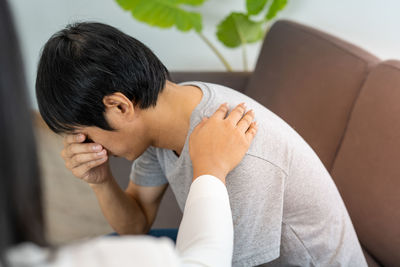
(96, 147)
(251, 111)
(101, 153)
(255, 123)
(244, 105)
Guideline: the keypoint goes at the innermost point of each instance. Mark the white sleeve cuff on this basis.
(205, 236)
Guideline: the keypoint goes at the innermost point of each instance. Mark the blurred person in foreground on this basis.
(205, 236)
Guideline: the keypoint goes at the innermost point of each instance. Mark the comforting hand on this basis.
(87, 161)
(218, 144)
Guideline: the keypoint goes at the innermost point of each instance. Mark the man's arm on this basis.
(132, 211)
(205, 237)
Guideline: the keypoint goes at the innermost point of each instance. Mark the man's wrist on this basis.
(106, 182)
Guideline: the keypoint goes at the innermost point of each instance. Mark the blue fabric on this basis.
(171, 233)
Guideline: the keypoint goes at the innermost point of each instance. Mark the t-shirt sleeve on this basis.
(146, 170)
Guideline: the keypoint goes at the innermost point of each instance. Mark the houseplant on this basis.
(235, 30)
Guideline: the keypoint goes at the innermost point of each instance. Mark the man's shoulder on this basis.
(219, 92)
(275, 141)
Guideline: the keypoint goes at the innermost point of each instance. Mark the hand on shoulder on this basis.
(219, 143)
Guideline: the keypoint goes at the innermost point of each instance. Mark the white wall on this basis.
(371, 24)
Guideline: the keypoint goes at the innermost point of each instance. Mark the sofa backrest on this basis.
(346, 105)
(311, 80)
(367, 167)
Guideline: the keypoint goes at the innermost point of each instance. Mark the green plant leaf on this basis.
(127, 4)
(276, 6)
(255, 6)
(190, 2)
(165, 13)
(237, 29)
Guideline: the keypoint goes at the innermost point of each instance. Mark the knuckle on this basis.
(84, 169)
(69, 150)
(239, 109)
(239, 132)
(246, 120)
(73, 160)
(67, 164)
(78, 158)
(249, 115)
(223, 107)
(90, 164)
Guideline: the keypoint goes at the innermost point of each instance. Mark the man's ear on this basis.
(118, 107)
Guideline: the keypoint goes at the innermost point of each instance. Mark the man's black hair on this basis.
(87, 61)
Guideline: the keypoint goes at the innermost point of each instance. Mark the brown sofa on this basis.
(345, 103)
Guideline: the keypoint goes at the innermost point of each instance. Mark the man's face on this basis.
(123, 142)
(130, 137)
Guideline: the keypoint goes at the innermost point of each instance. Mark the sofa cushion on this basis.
(311, 80)
(367, 168)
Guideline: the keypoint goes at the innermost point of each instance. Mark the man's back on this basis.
(284, 202)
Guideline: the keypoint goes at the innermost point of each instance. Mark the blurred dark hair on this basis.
(21, 217)
(87, 61)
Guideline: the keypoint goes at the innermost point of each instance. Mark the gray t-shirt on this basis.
(286, 209)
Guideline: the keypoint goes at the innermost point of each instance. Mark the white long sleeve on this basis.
(205, 238)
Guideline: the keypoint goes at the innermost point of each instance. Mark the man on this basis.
(96, 83)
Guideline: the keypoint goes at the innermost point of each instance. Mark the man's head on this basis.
(88, 72)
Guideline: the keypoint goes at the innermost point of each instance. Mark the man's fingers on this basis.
(73, 149)
(83, 158)
(236, 114)
(245, 121)
(74, 138)
(83, 169)
(251, 132)
(221, 112)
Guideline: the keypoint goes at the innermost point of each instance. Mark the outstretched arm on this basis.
(216, 146)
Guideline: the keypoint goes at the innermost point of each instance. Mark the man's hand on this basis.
(218, 144)
(87, 161)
